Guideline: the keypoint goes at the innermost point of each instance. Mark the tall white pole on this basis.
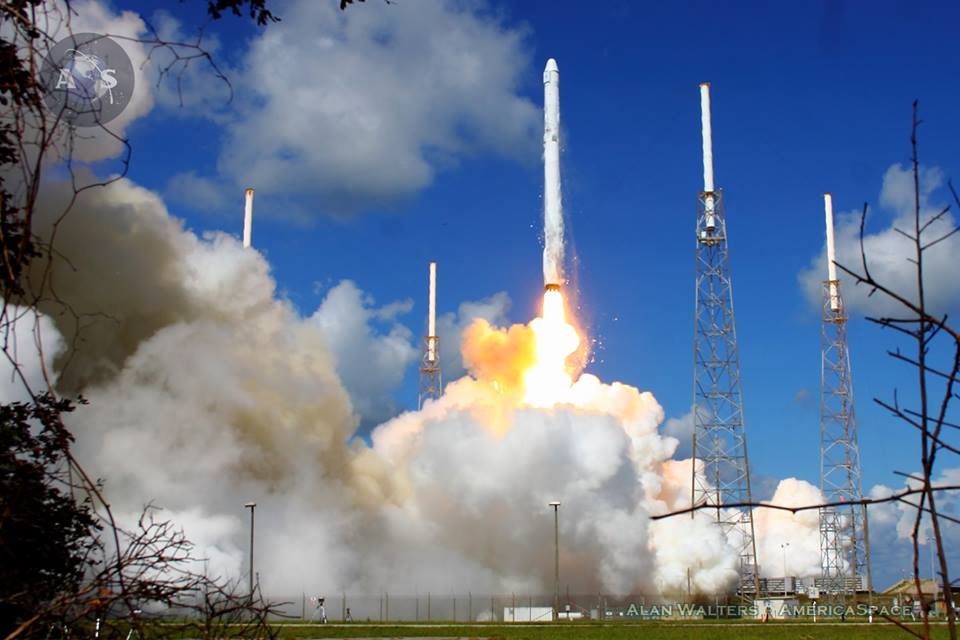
(432, 316)
(552, 204)
(708, 188)
(831, 254)
(248, 218)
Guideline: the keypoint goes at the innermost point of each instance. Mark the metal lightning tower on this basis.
(721, 473)
(431, 385)
(844, 539)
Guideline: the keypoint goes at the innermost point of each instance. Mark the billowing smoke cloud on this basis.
(450, 328)
(30, 344)
(482, 466)
(788, 542)
(207, 391)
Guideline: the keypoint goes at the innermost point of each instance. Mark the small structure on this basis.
(527, 614)
(775, 608)
(907, 588)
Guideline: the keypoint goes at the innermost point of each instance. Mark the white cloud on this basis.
(370, 364)
(888, 251)
(195, 191)
(356, 109)
(891, 527)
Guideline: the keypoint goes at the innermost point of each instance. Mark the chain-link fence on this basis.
(472, 607)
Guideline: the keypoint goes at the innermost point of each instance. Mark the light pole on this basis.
(252, 506)
(783, 548)
(556, 559)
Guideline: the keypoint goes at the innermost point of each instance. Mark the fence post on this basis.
(493, 612)
(387, 605)
(470, 606)
(303, 606)
(428, 606)
(454, 608)
(343, 607)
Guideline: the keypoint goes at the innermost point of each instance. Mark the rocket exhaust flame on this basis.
(549, 379)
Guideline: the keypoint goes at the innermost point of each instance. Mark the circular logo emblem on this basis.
(87, 79)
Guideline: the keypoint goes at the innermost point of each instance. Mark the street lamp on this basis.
(556, 559)
(783, 547)
(252, 506)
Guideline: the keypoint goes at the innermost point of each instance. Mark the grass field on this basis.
(613, 631)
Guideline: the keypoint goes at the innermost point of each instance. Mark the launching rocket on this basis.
(552, 206)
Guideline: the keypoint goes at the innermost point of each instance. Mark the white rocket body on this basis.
(432, 316)
(248, 218)
(710, 218)
(832, 281)
(552, 204)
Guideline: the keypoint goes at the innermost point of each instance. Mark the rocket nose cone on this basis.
(551, 65)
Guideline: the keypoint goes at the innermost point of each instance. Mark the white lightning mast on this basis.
(431, 384)
(248, 217)
(844, 532)
(709, 199)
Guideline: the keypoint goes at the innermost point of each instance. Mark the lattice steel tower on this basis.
(721, 473)
(431, 382)
(844, 539)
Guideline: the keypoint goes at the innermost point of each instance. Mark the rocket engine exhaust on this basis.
(552, 205)
(248, 217)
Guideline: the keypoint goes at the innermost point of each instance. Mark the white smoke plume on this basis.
(799, 533)
(207, 391)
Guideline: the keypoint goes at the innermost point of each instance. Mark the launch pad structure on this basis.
(720, 469)
(844, 537)
(431, 381)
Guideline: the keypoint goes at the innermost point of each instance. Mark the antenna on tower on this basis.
(431, 385)
(844, 537)
(247, 217)
(721, 472)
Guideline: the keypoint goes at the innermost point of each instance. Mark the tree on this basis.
(64, 559)
(935, 358)
(47, 536)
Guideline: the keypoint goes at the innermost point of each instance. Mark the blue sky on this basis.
(807, 97)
